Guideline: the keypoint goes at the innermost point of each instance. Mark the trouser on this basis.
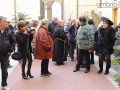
(92, 56)
(33, 51)
(29, 57)
(4, 66)
(72, 47)
(44, 66)
(86, 54)
(108, 61)
(67, 50)
(77, 51)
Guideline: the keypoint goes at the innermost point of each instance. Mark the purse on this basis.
(17, 56)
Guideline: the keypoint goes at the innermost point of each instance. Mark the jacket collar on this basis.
(6, 30)
(83, 24)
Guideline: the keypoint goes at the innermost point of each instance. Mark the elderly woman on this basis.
(85, 41)
(44, 46)
(59, 39)
(105, 39)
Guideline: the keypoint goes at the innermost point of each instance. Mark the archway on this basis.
(56, 10)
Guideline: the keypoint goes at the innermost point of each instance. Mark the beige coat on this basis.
(34, 38)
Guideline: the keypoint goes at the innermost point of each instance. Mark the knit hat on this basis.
(109, 22)
(102, 17)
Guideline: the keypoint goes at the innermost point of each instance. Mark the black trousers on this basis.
(86, 54)
(108, 61)
(92, 56)
(29, 57)
(44, 66)
(72, 47)
(4, 66)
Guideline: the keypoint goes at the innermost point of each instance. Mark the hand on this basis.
(90, 51)
(9, 53)
(75, 39)
(25, 32)
(118, 38)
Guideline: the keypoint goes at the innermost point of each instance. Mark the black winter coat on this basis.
(24, 43)
(7, 42)
(105, 40)
(51, 27)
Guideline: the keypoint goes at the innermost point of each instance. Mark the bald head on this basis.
(73, 21)
(55, 19)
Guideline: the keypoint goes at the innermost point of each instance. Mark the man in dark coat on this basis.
(52, 25)
(59, 43)
(7, 45)
(71, 37)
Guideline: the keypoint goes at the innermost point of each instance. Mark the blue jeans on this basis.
(4, 65)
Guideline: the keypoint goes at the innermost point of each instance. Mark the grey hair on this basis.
(1, 17)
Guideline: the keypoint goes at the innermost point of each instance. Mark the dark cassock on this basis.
(59, 45)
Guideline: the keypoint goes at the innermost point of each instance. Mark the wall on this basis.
(7, 9)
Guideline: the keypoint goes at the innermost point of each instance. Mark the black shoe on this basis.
(60, 63)
(75, 70)
(86, 71)
(42, 75)
(24, 77)
(50, 73)
(9, 66)
(72, 59)
(29, 74)
(100, 71)
(83, 66)
(106, 72)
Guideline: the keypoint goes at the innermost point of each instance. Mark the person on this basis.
(117, 42)
(85, 41)
(91, 23)
(16, 27)
(59, 43)
(101, 23)
(24, 46)
(44, 46)
(52, 25)
(105, 39)
(7, 45)
(117, 27)
(34, 26)
(71, 37)
(11, 28)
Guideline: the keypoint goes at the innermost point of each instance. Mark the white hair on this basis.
(77, 20)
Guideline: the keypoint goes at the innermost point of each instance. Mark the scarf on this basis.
(23, 31)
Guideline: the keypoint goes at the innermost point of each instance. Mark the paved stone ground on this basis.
(62, 78)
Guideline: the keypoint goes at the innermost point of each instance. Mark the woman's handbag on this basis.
(17, 56)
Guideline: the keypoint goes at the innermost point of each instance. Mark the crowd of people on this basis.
(57, 40)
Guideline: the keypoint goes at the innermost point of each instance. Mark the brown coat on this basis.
(44, 44)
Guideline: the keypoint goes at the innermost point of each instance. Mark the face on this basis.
(37, 23)
(3, 24)
(29, 25)
(69, 21)
(105, 25)
(74, 21)
(62, 24)
(80, 22)
(55, 19)
(23, 28)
